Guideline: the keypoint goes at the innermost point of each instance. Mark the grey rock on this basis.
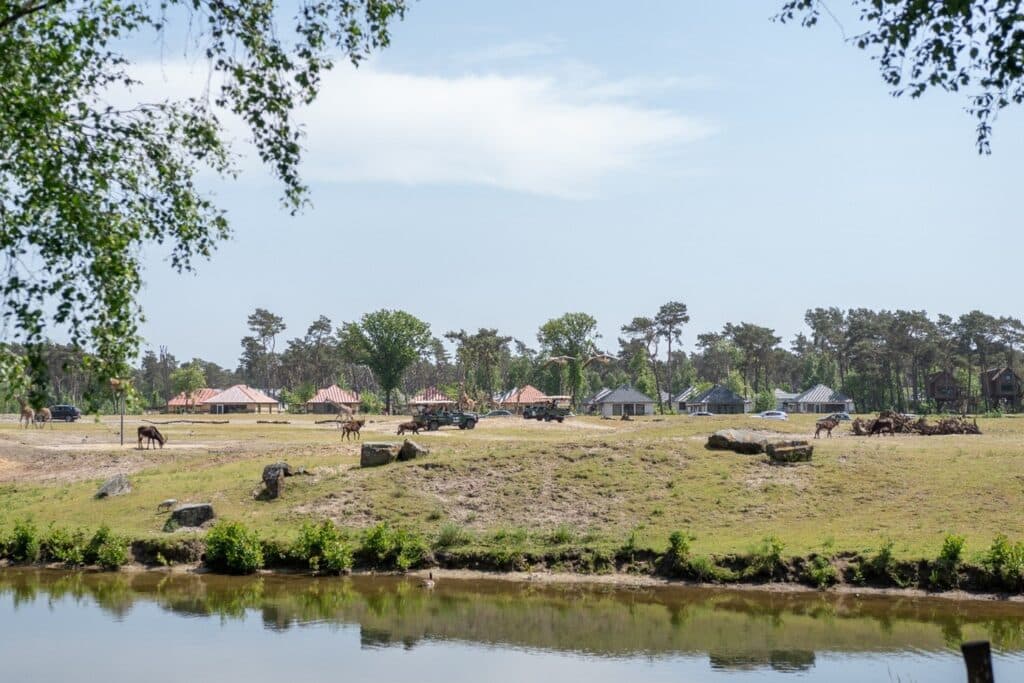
(376, 454)
(411, 450)
(193, 515)
(118, 485)
(750, 441)
(273, 479)
(285, 468)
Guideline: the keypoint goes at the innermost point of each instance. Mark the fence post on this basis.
(978, 658)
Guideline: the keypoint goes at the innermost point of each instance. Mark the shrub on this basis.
(1005, 563)
(674, 562)
(65, 546)
(24, 543)
(323, 546)
(766, 559)
(945, 572)
(387, 547)
(821, 572)
(233, 547)
(451, 535)
(883, 567)
(113, 552)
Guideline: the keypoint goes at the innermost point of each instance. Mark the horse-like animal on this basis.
(828, 424)
(151, 434)
(351, 427)
(27, 414)
(408, 427)
(43, 415)
(883, 425)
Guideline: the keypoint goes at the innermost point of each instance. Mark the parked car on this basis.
(839, 416)
(772, 415)
(701, 413)
(498, 413)
(65, 412)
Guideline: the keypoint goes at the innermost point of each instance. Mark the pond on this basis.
(151, 626)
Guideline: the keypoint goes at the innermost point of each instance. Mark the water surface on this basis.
(60, 626)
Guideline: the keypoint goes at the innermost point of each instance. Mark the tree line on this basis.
(880, 359)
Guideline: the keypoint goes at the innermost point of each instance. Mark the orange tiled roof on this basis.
(335, 394)
(181, 401)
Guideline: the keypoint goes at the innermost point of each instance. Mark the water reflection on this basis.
(735, 630)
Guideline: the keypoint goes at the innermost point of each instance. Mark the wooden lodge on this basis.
(943, 389)
(1001, 388)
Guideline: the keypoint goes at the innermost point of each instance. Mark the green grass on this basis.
(527, 486)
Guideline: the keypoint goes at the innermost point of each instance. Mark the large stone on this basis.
(749, 441)
(790, 453)
(118, 485)
(273, 480)
(285, 468)
(411, 450)
(376, 454)
(193, 515)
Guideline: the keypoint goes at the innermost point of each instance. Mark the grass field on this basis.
(591, 481)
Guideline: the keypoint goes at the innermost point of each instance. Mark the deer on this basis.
(44, 416)
(828, 424)
(408, 427)
(151, 434)
(351, 427)
(882, 425)
(27, 414)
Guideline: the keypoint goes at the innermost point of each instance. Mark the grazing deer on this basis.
(166, 505)
(351, 427)
(828, 424)
(882, 425)
(27, 414)
(151, 434)
(408, 427)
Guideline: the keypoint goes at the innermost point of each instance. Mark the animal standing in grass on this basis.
(27, 414)
(828, 424)
(408, 427)
(43, 415)
(881, 426)
(351, 427)
(151, 434)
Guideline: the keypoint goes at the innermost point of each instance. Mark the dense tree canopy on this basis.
(974, 46)
(86, 184)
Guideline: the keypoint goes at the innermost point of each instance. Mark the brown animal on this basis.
(151, 434)
(351, 427)
(882, 425)
(408, 427)
(828, 424)
(27, 414)
(43, 415)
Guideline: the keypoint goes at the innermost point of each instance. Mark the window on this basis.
(616, 409)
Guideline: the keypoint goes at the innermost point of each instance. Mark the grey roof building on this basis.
(820, 399)
(717, 399)
(622, 401)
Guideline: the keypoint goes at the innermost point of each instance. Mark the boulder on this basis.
(411, 450)
(285, 468)
(273, 480)
(118, 485)
(193, 515)
(782, 454)
(375, 454)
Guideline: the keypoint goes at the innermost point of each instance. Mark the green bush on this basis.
(675, 562)
(387, 547)
(821, 572)
(65, 546)
(233, 547)
(765, 559)
(945, 571)
(323, 547)
(451, 535)
(106, 549)
(563, 534)
(1005, 562)
(883, 567)
(24, 543)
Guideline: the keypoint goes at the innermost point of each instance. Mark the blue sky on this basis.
(505, 162)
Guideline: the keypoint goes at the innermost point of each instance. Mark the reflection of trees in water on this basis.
(738, 626)
(787, 661)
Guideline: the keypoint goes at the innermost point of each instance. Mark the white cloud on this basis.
(521, 133)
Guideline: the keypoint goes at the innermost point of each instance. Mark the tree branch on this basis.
(25, 10)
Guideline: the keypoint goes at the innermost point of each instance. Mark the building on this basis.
(1001, 387)
(820, 399)
(784, 398)
(432, 397)
(329, 398)
(517, 399)
(622, 401)
(718, 400)
(240, 398)
(191, 404)
(944, 390)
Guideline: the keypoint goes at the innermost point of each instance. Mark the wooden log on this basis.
(273, 422)
(790, 453)
(190, 422)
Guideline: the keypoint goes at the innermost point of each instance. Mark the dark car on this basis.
(843, 417)
(498, 413)
(66, 413)
(701, 413)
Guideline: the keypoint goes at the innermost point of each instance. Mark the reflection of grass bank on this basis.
(735, 626)
(582, 496)
(324, 548)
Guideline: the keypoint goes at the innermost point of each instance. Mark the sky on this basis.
(503, 163)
